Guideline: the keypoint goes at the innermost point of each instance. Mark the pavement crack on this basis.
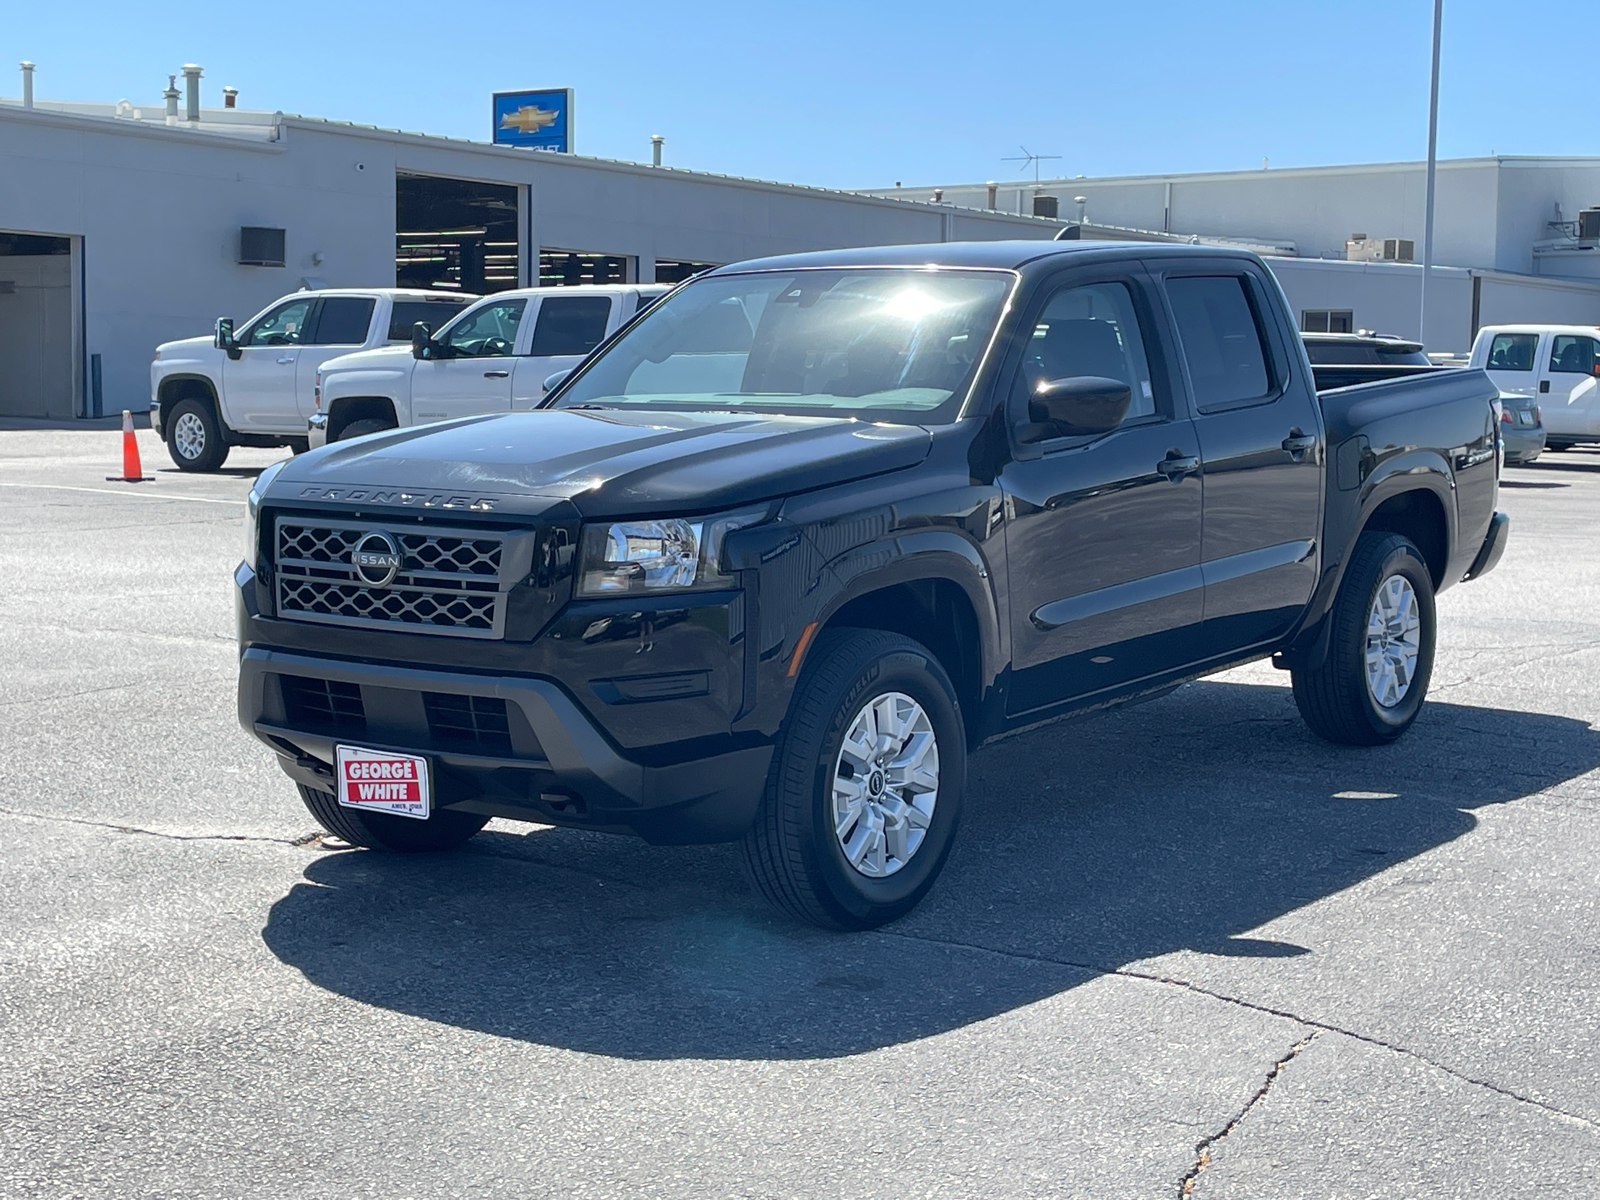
(1203, 1148)
(303, 840)
(1267, 1010)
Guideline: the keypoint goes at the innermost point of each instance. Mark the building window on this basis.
(674, 270)
(568, 268)
(1324, 320)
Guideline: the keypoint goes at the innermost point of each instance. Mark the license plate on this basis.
(382, 781)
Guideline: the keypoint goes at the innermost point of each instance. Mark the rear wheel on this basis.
(1374, 678)
(444, 830)
(864, 794)
(194, 436)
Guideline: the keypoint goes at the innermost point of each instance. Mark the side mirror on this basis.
(555, 379)
(223, 338)
(1075, 407)
(421, 340)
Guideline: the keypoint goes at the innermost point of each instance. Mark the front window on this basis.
(283, 326)
(488, 331)
(886, 344)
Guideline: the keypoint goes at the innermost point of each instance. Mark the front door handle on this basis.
(1175, 466)
(1544, 387)
(496, 374)
(1298, 443)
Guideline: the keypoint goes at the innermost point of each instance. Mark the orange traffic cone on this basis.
(132, 471)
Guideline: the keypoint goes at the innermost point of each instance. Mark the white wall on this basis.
(1504, 300)
(1384, 297)
(159, 211)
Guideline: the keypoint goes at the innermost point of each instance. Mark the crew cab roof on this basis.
(1009, 256)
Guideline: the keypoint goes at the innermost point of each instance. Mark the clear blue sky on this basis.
(863, 94)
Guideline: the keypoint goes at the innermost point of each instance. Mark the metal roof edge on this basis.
(91, 123)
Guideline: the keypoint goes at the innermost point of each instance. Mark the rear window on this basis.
(1572, 355)
(432, 313)
(570, 325)
(343, 321)
(1221, 341)
(1512, 351)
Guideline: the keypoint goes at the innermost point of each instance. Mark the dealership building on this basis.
(125, 225)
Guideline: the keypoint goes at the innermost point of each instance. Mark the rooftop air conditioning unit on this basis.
(1365, 249)
(1589, 225)
(260, 247)
(1047, 206)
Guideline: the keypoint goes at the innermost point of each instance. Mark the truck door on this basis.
(340, 325)
(476, 377)
(1261, 448)
(1568, 392)
(1102, 533)
(259, 386)
(1510, 362)
(565, 330)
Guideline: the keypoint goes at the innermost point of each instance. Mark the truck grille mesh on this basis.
(450, 582)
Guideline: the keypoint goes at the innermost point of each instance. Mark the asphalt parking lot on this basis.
(1183, 948)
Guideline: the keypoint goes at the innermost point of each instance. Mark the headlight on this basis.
(252, 512)
(652, 556)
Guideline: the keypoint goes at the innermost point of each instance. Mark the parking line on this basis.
(64, 487)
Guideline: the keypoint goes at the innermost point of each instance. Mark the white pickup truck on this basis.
(255, 387)
(494, 357)
(1557, 366)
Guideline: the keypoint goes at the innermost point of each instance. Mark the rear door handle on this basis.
(286, 360)
(496, 374)
(1298, 443)
(1175, 467)
(1544, 386)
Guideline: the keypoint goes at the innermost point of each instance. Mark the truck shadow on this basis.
(1180, 825)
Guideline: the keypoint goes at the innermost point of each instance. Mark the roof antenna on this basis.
(1029, 158)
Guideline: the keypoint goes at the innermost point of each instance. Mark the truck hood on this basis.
(384, 356)
(185, 347)
(605, 462)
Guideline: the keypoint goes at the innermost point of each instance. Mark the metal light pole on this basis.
(1433, 151)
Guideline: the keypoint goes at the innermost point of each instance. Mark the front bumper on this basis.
(1494, 545)
(317, 430)
(560, 768)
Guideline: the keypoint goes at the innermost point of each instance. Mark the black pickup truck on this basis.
(782, 552)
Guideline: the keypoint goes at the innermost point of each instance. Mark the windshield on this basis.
(890, 345)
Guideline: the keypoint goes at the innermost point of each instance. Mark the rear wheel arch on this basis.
(1419, 514)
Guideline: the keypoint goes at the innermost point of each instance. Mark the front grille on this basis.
(475, 722)
(322, 705)
(450, 581)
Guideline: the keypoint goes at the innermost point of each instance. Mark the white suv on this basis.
(494, 357)
(255, 387)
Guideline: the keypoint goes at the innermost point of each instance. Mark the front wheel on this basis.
(194, 437)
(444, 830)
(864, 794)
(363, 427)
(1372, 682)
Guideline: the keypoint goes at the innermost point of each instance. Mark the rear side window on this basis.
(570, 325)
(1221, 339)
(1572, 355)
(1512, 351)
(344, 321)
(432, 313)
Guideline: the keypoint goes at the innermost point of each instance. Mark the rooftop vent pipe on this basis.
(655, 149)
(191, 81)
(171, 97)
(230, 97)
(27, 83)
(1083, 203)
(994, 193)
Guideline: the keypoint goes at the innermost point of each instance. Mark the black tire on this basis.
(444, 830)
(1335, 698)
(1557, 447)
(194, 436)
(363, 427)
(791, 853)
(299, 445)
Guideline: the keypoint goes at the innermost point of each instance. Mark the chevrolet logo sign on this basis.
(530, 118)
(440, 500)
